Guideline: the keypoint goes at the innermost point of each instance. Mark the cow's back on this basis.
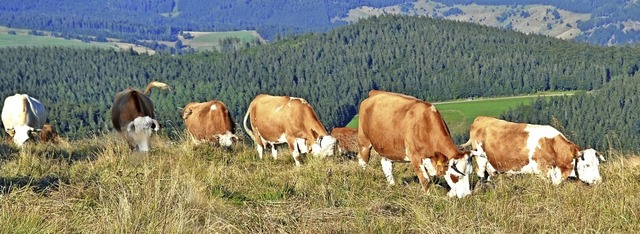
(128, 105)
(502, 141)
(391, 122)
(208, 119)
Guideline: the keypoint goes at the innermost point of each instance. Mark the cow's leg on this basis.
(364, 151)
(555, 175)
(274, 152)
(260, 148)
(420, 171)
(295, 152)
(387, 169)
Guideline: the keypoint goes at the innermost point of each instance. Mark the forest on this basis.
(163, 20)
(432, 59)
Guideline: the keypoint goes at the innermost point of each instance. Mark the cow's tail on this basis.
(156, 84)
(244, 124)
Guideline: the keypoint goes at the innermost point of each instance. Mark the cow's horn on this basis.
(157, 125)
(130, 127)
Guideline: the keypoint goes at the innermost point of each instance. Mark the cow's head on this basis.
(324, 146)
(586, 166)
(23, 133)
(139, 132)
(436, 165)
(227, 139)
(457, 175)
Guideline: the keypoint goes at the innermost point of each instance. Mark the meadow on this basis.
(8, 40)
(210, 40)
(99, 186)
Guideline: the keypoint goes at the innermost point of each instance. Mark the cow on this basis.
(48, 134)
(291, 120)
(210, 122)
(23, 116)
(347, 140)
(520, 148)
(403, 128)
(132, 115)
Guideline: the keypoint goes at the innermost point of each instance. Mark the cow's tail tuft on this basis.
(244, 124)
(156, 84)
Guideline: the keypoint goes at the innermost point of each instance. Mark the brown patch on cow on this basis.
(48, 134)
(127, 106)
(454, 178)
(347, 140)
(204, 123)
(399, 126)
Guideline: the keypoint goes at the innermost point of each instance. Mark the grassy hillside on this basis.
(97, 184)
(7, 40)
(211, 40)
(460, 114)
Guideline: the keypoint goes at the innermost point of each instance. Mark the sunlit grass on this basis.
(98, 185)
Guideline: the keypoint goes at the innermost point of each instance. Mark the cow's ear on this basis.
(131, 127)
(186, 112)
(600, 156)
(314, 134)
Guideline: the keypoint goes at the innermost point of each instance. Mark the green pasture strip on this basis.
(214, 37)
(8, 40)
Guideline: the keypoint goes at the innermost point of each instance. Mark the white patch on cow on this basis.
(227, 139)
(588, 169)
(301, 145)
(462, 187)
(139, 132)
(555, 175)
(387, 169)
(213, 107)
(428, 166)
(259, 148)
(362, 163)
(296, 98)
(22, 134)
(279, 108)
(433, 108)
(536, 132)
(325, 146)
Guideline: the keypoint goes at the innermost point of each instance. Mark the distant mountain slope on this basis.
(601, 22)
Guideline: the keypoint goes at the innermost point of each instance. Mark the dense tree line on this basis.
(431, 59)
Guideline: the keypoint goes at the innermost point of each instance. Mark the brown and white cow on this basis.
(210, 122)
(519, 148)
(402, 128)
(23, 116)
(347, 140)
(132, 115)
(291, 120)
(48, 134)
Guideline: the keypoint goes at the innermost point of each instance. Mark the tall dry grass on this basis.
(99, 186)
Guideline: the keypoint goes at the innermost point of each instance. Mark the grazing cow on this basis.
(132, 115)
(48, 134)
(210, 121)
(519, 148)
(282, 119)
(402, 128)
(23, 116)
(347, 140)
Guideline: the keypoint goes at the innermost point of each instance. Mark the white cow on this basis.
(22, 117)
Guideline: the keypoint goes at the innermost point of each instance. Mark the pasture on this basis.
(210, 40)
(460, 114)
(7, 40)
(98, 185)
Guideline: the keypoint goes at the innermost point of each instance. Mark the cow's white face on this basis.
(325, 146)
(139, 132)
(457, 177)
(587, 167)
(22, 134)
(227, 139)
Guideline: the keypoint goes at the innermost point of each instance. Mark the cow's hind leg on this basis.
(274, 152)
(295, 152)
(387, 169)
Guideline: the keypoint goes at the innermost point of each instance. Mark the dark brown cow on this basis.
(402, 128)
(347, 140)
(210, 122)
(282, 119)
(516, 148)
(48, 134)
(132, 115)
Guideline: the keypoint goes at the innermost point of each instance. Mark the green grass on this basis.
(7, 40)
(460, 114)
(98, 185)
(209, 40)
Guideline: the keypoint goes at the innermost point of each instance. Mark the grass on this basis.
(98, 185)
(210, 40)
(460, 114)
(8, 40)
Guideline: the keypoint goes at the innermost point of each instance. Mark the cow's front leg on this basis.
(387, 169)
(419, 170)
